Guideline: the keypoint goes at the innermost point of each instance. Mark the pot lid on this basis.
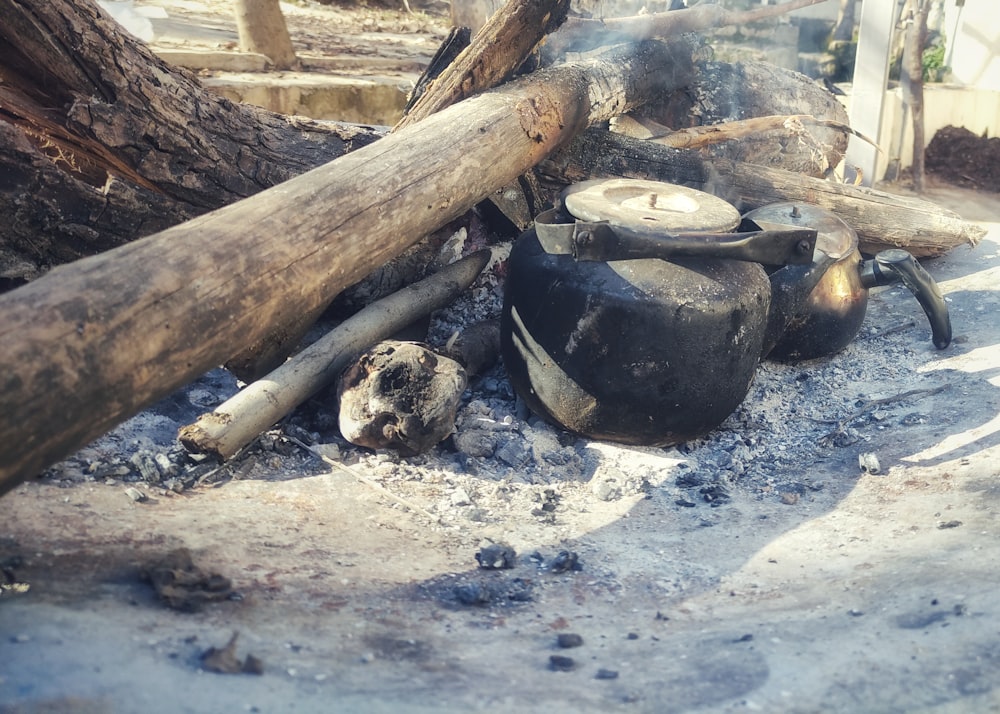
(651, 207)
(834, 236)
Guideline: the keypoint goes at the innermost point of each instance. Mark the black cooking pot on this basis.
(661, 346)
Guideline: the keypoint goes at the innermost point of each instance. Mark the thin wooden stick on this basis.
(696, 137)
(378, 487)
(870, 404)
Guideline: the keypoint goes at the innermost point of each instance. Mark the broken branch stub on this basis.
(400, 395)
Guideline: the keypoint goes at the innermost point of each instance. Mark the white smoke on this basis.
(135, 20)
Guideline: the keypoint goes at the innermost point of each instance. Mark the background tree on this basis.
(912, 81)
(843, 31)
(263, 30)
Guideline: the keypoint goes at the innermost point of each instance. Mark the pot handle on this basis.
(603, 242)
(895, 265)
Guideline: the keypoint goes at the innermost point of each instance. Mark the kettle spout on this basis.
(790, 288)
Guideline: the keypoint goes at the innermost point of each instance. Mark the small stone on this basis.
(714, 494)
(135, 494)
(165, 465)
(460, 497)
(472, 594)
(789, 498)
(253, 665)
(513, 453)
(561, 663)
(330, 451)
(868, 462)
(605, 489)
(566, 640)
(476, 442)
(146, 466)
(606, 674)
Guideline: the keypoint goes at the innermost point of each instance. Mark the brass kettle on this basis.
(830, 317)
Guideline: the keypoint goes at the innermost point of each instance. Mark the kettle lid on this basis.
(650, 207)
(834, 236)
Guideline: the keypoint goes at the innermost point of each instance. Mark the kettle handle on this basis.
(895, 265)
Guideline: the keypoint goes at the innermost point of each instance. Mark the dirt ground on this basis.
(757, 569)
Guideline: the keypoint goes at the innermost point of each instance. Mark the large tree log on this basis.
(727, 91)
(91, 343)
(101, 142)
(882, 220)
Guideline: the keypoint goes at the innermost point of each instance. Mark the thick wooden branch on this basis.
(725, 92)
(91, 343)
(495, 52)
(882, 220)
(697, 137)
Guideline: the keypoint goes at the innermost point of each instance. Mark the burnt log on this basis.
(96, 153)
(725, 92)
(496, 51)
(580, 34)
(91, 343)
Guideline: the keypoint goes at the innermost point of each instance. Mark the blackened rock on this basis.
(566, 640)
(561, 663)
(498, 556)
(566, 560)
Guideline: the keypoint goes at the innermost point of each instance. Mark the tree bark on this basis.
(91, 343)
(262, 30)
(882, 220)
(102, 142)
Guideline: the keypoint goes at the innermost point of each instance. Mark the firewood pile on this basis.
(221, 239)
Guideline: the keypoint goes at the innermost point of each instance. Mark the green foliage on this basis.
(933, 63)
